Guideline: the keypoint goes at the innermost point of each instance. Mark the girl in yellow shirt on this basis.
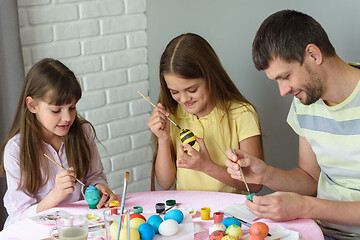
(197, 93)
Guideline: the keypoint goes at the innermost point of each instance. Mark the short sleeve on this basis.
(246, 121)
(292, 119)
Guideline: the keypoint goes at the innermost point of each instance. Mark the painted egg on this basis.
(92, 196)
(136, 222)
(217, 235)
(134, 234)
(137, 215)
(147, 232)
(175, 214)
(169, 227)
(229, 237)
(256, 237)
(155, 221)
(234, 230)
(217, 226)
(187, 136)
(259, 228)
(230, 221)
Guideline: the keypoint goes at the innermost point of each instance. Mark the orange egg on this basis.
(255, 237)
(259, 228)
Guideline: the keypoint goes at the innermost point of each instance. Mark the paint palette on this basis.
(49, 218)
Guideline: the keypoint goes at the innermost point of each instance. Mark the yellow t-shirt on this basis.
(214, 129)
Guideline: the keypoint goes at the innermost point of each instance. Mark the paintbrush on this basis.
(63, 169)
(147, 99)
(242, 175)
(127, 174)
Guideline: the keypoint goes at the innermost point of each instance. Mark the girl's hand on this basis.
(158, 122)
(64, 184)
(253, 168)
(106, 195)
(196, 160)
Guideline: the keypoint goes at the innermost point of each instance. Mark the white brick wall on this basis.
(105, 43)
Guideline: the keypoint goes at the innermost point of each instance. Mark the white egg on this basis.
(168, 227)
(217, 226)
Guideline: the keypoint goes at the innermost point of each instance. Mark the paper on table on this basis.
(186, 230)
(277, 231)
(239, 210)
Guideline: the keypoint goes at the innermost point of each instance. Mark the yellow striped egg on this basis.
(187, 136)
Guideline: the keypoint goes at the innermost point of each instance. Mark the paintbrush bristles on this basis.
(127, 175)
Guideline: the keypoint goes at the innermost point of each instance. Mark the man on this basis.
(294, 50)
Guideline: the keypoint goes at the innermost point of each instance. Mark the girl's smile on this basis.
(193, 94)
(55, 121)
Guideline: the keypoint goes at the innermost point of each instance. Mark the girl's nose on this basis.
(66, 116)
(184, 98)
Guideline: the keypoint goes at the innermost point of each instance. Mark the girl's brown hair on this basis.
(191, 56)
(52, 80)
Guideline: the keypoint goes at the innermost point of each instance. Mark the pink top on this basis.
(20, 204)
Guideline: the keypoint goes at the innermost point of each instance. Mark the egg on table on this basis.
(230, 221)
(174, 214)
(217, 235)
(136, 222)
(259, 228)
(169, 227)
(134, 234)
(234, 230)
(217, 226)
(155, 221)
(229, 237)
(147, 232)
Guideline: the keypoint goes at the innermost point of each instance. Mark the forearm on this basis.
(48, 202)
(295, 180)
(338, 212)
(165, 169)
(220, 174)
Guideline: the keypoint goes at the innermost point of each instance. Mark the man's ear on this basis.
(314, 53)
(31, 104)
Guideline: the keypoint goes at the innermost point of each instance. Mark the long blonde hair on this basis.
(52, 78)
(191, 56)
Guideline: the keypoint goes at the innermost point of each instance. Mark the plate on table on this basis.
(49, 218)
(190, 211)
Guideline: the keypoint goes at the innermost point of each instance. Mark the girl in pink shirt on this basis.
(46, 121)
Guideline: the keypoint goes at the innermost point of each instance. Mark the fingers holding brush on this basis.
(159, 123)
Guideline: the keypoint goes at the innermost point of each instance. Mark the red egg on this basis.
(217, 235)
(255, 237)
(137, 215)
(259, 228)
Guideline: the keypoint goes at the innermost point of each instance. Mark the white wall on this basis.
(230, 26)
(105, 43)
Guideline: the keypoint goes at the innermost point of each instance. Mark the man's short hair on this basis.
(285, 34)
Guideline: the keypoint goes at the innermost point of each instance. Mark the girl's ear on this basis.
(31, 104)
